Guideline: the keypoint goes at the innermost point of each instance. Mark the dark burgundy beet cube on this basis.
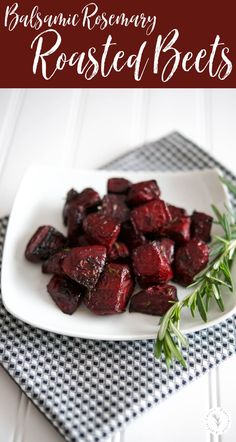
(176, 212)
(150, 265)
(178, 230)
(155, 300)
(101, 229)
(66, 294)
(201, 224)
(150, 217)
(88, 199)
(130, 237)
(115, 207)
(45, 242)
(53, 263)
(85, 264)
(75, 216)
(119, 252)
(143, 192)
(112, 292)
(168, 248)
(118, 185)
(190, 259)
(71, 195)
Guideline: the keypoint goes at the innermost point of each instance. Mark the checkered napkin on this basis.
(90, 389)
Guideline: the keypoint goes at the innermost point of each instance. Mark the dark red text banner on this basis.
(117, 44)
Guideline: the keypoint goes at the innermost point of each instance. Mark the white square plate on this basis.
(40, 200)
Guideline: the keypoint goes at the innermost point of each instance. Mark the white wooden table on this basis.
(85, 129)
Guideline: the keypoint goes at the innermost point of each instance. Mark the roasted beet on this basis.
(88, 199)
(101, 229)
(71, 195)
(150, 265)
(150, 217)
(66, 294)
(176, 212)
(53, 263)
(155, 300)
(190, 259)
(112, 292)
(178, 230)
(119, 252)
(45, 242)
(201, 226)
(75, 216)
(115, 207)
(85, 264)
(168, 248)
(131, 238)
(143, 192)
(118, 185)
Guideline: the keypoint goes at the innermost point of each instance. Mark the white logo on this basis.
(217, 420)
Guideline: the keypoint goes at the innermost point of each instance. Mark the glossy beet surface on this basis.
(155, 300)
(65, 293)
(150, 265)
(176, 212)
(178, 230)
(115, 207)
(119, 252)
(101, 229)
(88, 199)
(45, 242)
(150, 217)
(201, 226)
(118, 185)
(168, 248)
(143, 192)
(190, 259)
(112, 292)
(53, 263)
(85, 264)
(130, 237)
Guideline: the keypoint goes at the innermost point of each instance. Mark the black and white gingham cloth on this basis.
(90, 389)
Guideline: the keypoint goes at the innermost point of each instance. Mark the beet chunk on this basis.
(88, 199)
(150, 265)
(178, 230)
(143, 192)
(119, 252)
(168, 247)
(112, 292)
(53, 263)
(154, 300)
(201, 226)
(115, 207)
(101, 229)
(176, 212)
(190, 259)
(45, 242)
(66, 294)
(118, 185)
(130, 237)
(150, 217)
(75, 216)
(85, 264)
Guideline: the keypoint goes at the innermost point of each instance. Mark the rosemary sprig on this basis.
(207, 285)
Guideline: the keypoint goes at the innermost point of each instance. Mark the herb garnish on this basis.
(207, 284)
